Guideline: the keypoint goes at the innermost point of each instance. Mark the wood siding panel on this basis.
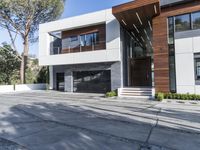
(160, 44)
(86, 30)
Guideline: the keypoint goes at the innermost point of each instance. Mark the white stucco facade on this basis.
(110, 54)
(185, 48)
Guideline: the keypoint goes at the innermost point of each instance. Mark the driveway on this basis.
(47, 120)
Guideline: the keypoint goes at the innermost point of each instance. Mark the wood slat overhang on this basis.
(128, 15)
(145, 9)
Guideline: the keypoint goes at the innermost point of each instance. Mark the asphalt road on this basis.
(47, 120)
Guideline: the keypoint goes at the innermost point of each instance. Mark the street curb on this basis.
(188, 102)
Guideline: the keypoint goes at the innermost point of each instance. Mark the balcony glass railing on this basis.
(55, 50)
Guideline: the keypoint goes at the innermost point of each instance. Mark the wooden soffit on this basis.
(138, 13)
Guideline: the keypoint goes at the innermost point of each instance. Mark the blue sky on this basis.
(72, 8)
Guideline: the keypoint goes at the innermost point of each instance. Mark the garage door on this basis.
(92, 81)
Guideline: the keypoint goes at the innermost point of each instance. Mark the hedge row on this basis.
(160, 96)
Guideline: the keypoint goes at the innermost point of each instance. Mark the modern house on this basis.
(136, 47)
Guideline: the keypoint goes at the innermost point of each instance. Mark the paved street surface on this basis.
(46, 120)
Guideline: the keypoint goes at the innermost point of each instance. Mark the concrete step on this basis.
(137, 92)
(137, 89)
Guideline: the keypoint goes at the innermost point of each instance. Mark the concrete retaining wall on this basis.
(6, 88)
(22, 87)
(29, 87)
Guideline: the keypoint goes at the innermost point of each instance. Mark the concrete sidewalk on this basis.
(58, 121)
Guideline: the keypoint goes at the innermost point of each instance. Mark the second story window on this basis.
(89, 39)
(190, 21)
(182, 22)
(196, 20)
(74, 38)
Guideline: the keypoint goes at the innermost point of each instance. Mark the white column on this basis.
(51, 78)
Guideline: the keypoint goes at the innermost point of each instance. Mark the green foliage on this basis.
(36, 74)
(111, 94)
(159, 96)
(179, 96)
(30, 76)
(43, 75)
(9, 65)
(25, 16)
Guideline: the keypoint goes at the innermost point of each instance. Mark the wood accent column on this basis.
(161, 56)
(160, 44)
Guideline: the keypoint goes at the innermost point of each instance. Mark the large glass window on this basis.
(74, 42)
(172, 67)
(183, 22)
(171, 30)
(82, 40)
(196, 20)
(197, 67)
(89, 39)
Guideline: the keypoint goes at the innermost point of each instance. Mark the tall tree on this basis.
(24, 16)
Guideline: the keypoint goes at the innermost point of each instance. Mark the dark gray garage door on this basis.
(92, 81)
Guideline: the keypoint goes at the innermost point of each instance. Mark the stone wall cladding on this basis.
(114, 67)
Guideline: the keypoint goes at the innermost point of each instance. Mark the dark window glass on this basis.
(172, 73)
(197, 67)
(171, 47)
(92, 81)
(182, 22)
(171, 30)
(96, 38)
(196, 20)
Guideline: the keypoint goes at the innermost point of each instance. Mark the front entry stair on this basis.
(137, 92)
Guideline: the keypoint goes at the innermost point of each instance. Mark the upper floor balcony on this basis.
(63, 43)
(89, 38)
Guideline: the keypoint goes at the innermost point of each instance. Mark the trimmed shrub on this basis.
(177, 96)
(111, 94)
(159, 96)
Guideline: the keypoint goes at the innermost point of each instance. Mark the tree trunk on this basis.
(24, 61)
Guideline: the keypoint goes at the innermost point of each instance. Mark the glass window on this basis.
(171, 30)
(96, 38)
(196, 20)
(183, 22)
(66, 43)
(82, 40)
(89, 39)
(74, 41)
(74, 38)
(197, 67)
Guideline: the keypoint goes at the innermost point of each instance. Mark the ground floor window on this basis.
(197, 67)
